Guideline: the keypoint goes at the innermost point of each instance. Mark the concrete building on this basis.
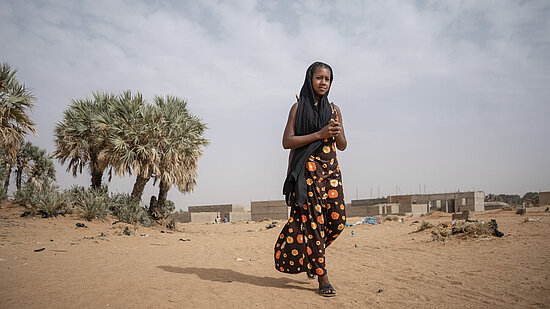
(224, 211)
(446, 202)
(544, 198)
(417, 204)
(269, 210)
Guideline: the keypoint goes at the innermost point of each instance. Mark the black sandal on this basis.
(327, 291)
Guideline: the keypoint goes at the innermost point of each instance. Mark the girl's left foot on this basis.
(327, 291)
(325, 288)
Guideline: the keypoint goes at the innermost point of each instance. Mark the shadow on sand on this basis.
(228, 275)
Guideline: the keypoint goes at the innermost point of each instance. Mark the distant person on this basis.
(313, 186)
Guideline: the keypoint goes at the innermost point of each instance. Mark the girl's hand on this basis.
(332, 129)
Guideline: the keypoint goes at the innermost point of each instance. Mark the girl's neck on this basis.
(317, 99)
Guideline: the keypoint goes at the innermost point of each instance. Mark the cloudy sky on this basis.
(435, 95)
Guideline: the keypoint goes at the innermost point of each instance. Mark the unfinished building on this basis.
(209, 213)
(417, 204)
(544, 198)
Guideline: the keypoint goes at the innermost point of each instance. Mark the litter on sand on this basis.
(272, 225)
(366, 220)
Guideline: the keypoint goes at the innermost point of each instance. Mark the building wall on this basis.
(418, 209)
(400, 199)
(223, 209)
(479, 201)
(269, 210)
(472, 201)
(181, 218)
(357, 211)
(373, 210)
(392, 209)
(367, 202)
(204, 217)
(236, 216)
(544, 198)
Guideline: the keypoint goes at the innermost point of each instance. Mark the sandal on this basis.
(327, 291)
(311, 276)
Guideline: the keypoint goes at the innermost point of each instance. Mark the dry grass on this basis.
(390, 218)
(463, 230)
(424, 226)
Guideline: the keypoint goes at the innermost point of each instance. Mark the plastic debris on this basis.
(78, 224)
(366, 220)
(272, 225)
(40, 250)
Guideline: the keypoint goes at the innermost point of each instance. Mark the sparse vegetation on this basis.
(125, 134)
(391, 218)
(44, 200)
(440, 233)
(121, 134)
(424, 226)
(92, 203)
(128, 210)
(465, 229)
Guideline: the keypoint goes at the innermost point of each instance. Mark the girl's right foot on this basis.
(325, 288)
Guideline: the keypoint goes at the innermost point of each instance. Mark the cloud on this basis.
(428, 89)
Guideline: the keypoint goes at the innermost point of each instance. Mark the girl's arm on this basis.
(341, 141)
(291, 141)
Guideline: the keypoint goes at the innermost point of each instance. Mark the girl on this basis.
(313, 186)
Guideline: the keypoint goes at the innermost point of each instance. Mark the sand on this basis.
(231, 266)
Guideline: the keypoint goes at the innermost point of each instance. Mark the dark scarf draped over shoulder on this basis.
(310, 118)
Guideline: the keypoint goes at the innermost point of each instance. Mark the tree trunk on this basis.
(139, 185)
(96, 179)
(18, 176)
(8, 176)
(157, 210)
(97, 173)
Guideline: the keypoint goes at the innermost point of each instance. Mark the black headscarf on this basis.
(309, 119)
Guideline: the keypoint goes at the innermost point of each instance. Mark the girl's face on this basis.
(320, 81)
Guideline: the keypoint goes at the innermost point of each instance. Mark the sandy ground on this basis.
(231, 266)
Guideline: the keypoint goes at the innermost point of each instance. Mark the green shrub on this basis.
(44, 200)
(97, 204)
(91, 203)
(169, 207)
(129, 210)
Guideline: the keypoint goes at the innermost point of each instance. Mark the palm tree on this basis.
(15, 101)
(179, 145)
(130, 144)
(34, 165)
(78, 139)
(22, 166)
(42, 168)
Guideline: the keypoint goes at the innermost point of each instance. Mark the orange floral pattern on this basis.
(310, 230)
